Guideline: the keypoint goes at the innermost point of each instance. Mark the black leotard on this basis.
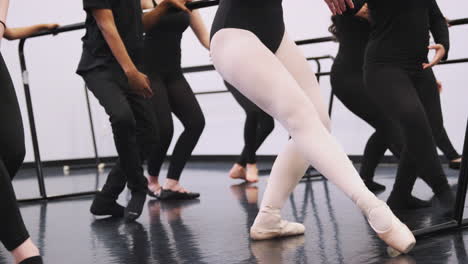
(162, 42)
(264, 18)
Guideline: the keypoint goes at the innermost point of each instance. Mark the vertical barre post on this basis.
(462, 184)
(32, 123)
(91, 125)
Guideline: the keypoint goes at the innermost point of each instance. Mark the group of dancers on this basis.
(131, 62)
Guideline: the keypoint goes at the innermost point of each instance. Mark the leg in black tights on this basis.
(258, 126)
(135, 132)
(174, 95)
(13, 233)
(430, 98)
(348, 86)
(395, 90)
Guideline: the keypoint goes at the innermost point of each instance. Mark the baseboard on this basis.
(195, 158)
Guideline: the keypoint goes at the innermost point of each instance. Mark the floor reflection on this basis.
(215, 229)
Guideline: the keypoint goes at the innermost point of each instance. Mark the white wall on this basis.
(58, 94)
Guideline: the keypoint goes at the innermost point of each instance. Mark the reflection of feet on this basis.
(245, 191)
(237, 172)
(154, 208)
(103, 206)
(374, 186)
(251, 193)
(135, 206)
(269, 225)
(401, 260)
(252, 173)
(400, 202)
(239, 189)
(173, 209)
(271, 251)
(455, 164)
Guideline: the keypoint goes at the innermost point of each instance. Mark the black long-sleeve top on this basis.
(400, 31)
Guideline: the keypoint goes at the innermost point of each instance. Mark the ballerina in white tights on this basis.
(251, 50)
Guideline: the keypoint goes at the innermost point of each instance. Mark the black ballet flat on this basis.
(400, 203)
(32, 260)
(455, 165)
(374, 186)
(152, 194)
(103, 206)
(166, 195)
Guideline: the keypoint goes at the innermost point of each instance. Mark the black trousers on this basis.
(348, 87)
(133, 124)
(173, 94)
(396, 93)
(430, 98)
(12, 150)
(258, 126)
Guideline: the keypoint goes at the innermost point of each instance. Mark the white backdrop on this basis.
(59, 102)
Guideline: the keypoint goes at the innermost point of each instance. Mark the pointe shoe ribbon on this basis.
(281, 228)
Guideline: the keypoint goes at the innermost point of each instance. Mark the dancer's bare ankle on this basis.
(25, 250)
(153, 184)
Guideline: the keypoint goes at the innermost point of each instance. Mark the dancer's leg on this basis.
(13, 233)
(396, 91)
(274, 85)
(133, 127)
(258, 126)
(163, 112)
(185, 106)
(430, 98)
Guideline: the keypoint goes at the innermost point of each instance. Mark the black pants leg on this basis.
(175, 96)
(395, 94)
(258, 126)
(12, 150)
(348, 86)
(430, 98)
(133, 125)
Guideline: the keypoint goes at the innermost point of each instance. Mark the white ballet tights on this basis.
(284, 86)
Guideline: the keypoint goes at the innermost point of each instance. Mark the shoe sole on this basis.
(395, 253)
(258, 236)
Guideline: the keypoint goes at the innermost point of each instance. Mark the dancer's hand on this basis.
(178, 4)
(364, 12)
(339, 6)
(51, 26)
(439, 86)
(139, 83)
(440, 53)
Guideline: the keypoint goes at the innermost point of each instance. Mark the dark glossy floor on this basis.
(215, 229)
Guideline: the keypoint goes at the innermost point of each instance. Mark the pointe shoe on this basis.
(398, 236)
(237, 172)
(252, 175)
(275, 228)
